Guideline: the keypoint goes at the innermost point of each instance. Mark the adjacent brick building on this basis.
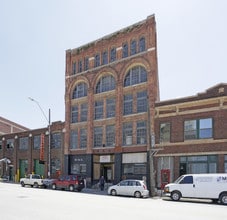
(26, 152)
(7, 126)
(111, 86)
(191, 134)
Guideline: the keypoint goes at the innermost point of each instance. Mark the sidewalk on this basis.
(94, 191)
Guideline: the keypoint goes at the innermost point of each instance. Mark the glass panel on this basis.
(74, 139)
(190, 131)
(83, 138)
(128, 104)
(164, 132)
(110, 135)
(127, 133)
(141, 132)
(98, 137)
(142, 44)
(110, 107)
(142, 101)
(83, 113)
(98, 109)
(205, 128)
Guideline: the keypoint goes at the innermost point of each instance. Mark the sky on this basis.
(34, 35)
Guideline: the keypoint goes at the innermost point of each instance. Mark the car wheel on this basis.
(113, 192)
(22, 184)
(71, 188)
(54, 186)
(223, 198)
(36, 185)
(137, 194)
(175, 195)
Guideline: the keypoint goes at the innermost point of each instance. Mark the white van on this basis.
(202, 186)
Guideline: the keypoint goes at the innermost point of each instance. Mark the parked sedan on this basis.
(130, 187)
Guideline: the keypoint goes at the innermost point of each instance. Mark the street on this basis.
(18, 202)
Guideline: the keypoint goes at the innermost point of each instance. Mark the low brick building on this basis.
(191, 134)
(7, 126)
(29, 151)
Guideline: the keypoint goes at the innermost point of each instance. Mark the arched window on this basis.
(125, 50)
(80, 91)
(106, 83)
(104, 58)
(113, 55)
(136, 75)
(97, 60)
(142, 45)
(133, 47)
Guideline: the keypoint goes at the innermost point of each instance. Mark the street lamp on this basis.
(49, 135)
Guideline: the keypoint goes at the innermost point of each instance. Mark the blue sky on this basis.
(34, 35)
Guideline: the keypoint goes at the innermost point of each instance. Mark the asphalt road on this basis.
(18, 203)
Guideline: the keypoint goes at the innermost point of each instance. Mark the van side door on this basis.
(186, 186)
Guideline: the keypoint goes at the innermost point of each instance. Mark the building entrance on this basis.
(106, 170)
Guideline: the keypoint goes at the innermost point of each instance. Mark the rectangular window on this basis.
(141, 132)
(98, 109)
(198, 129)
(164, 132)
(10, 143)
(98, 136)
(83, 113)
(110, 136)
(37, 142)
(128, 104)
(110, 107)
(74, 139)
(225, 164)
(23, 143)
(83, 138)
(55, 165)
(0, 145)
(142, 101)
(127, 133)
(56, 140)
(74, 114)
(134, 169)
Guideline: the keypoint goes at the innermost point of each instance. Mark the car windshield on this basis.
(178, 179)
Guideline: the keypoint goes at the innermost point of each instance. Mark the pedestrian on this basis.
(102, 183)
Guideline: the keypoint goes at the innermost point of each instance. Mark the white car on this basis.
(130, 187)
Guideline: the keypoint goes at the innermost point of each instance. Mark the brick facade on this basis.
(23, 151)
(212, 104)
(117, 68)
(7, 126)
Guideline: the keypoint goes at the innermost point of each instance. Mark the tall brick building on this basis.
(111, 86)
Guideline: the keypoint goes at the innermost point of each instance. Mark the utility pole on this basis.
(49, 132)
(151, 142)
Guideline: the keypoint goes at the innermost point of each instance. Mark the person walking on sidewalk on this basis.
(102, 183)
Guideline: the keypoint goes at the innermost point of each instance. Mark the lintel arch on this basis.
(134, 63)
(80, 88)
(106, 76)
